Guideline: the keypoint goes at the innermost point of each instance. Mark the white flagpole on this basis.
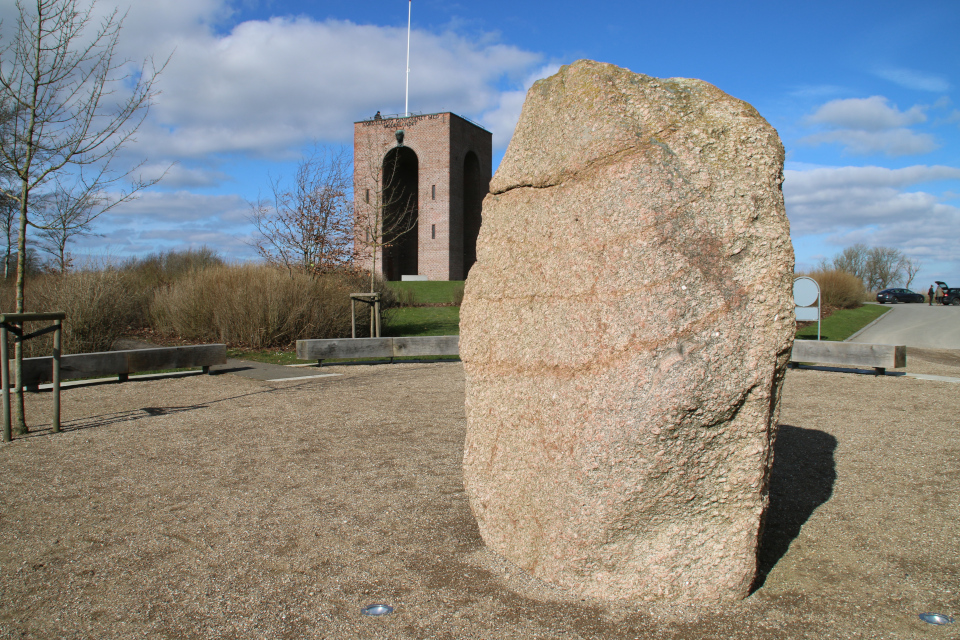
(406, 104)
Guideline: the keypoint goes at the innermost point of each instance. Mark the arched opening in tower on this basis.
(472, 204)
(401, 170)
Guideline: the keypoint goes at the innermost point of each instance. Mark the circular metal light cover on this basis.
(376, 610)
(936, 618)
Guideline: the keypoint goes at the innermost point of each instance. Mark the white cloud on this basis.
(158, 221)
(866, 114)
(868, 177)
(896, 142)
(177, 176)
(157, 208)
(871, 205)
(912, 79)
(865, 126)
(267, 86)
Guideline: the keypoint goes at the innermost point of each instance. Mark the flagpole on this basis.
(406, 104)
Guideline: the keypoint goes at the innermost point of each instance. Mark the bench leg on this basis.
(206, 368)
(319, 362)
(880, 371)
(123, 377)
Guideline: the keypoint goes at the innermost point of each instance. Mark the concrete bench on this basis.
(321, 350)
(37, 371)
(879, 356)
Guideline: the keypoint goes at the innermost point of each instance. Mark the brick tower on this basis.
(432, 171)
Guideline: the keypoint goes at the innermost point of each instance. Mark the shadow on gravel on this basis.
(801, 480)
(133, 415)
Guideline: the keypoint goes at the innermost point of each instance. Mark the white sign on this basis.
(806, 297)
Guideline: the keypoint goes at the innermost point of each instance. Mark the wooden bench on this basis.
(879, 356)
(321, 350)
(37, 371)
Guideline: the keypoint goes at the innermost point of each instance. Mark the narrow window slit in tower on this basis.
(433, 192)
(433, 232)
(368, 196)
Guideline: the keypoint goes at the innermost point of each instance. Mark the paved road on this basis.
(916, 325)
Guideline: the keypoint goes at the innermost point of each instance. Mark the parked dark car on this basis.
(950, 296)
(899, 295)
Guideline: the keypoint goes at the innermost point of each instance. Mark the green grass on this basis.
(843, 323)
(423, 321)
(430, 292)
(407, 321)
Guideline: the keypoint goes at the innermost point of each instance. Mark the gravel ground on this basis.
(224, 507)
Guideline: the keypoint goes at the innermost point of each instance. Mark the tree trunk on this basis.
(20, 420)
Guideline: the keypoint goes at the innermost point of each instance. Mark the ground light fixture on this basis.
(376, 610)
(936, 618)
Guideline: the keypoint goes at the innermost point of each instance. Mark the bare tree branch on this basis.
(66, 215)
(911, 268)
(73, 105)
(307, 225)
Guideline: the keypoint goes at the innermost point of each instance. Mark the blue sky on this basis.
(865, 95)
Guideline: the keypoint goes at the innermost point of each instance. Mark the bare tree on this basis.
(384, 212)
(74, 105)
(853, 260)
(8, 226)
(308, 226)
(9, 206)
(911, 268)
(64, 217)
(884, 267)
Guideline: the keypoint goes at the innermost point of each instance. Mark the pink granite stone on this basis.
(625, 333)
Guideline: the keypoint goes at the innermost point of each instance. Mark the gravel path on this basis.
(225, 507)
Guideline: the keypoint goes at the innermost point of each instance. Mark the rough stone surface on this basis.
(625, 333)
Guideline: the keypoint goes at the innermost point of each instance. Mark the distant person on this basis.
(930, 296)
(939, 294)
(377, 117)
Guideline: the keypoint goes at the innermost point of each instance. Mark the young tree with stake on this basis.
(384, 212)
(74, 105)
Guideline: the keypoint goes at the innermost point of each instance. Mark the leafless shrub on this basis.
(405, 297)
(458, 295)
(101, 306)
(838, 288)
(256, 306)
(166, 267)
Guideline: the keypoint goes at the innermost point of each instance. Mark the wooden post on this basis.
(58, 324)
(5, 381)
(15, 322)
(353, 317)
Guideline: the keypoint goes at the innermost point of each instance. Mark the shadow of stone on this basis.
(801, 480)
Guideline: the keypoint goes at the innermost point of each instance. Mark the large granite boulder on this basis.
(625, 333)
